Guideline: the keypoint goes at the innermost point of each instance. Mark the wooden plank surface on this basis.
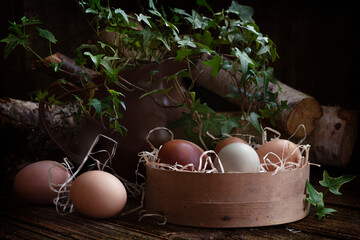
(21, 220)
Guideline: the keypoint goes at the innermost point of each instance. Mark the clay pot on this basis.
(140, 116)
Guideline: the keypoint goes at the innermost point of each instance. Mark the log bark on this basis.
(334, 137)
(304, 108)
(27, 112)
(22, 118)
(24, 141)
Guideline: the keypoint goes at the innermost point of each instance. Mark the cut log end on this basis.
(334, 138)
(306, 112)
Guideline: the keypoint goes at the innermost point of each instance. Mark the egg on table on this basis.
(181, 152)
(31, 183)
(98, 194)
(286, 150)
(236, 155)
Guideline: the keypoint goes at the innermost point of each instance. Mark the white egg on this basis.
(239, 157)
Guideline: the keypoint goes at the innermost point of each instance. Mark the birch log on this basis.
(27, 112)
(24, 142)
(334, 137)
(304, 108)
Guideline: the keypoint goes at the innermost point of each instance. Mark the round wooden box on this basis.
(227, 200)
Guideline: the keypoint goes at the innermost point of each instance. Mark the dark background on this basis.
(316, 41)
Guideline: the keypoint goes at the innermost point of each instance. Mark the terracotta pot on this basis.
(140, 116)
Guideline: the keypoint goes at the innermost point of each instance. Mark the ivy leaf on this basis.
(204, 48)
(53, 101)
(90, 10)
(11, 42)
(147, 36)
(208, 125)
(263, 50)
(268, 74)
(57, 66)
(101, 105)
(46, 34)
(322, 211)
(95, 4)
(253, 119)
(229, 123)
(196, 20)
(263, 40)
(80, 60)
(115, 95)
(181, 12)
(41, 95)
(96, 59)
(214, 64)
(244, 12)
(96, 104)
(120, 128)
(334, 184)
(111, 72)
(164, 40)
(268, 77)
(201, 107)
(142, 17)
(245, 60)
(283, 105)
(186, 41)
(269, 112)
(152, 5)
(315, 197)
(123, 14)
(182, 53)
(204, 38)
(104, 45)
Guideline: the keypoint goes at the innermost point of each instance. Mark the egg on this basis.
(283, 149)
(181, 152)
(31, 183)
(237, 156)
(228, 141)
(98, 194)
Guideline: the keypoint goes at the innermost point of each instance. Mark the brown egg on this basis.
(32, 182)
(181, 152)
(228, 141)
(283, 149)
(98, 194)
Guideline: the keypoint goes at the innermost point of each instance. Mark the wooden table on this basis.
(20, 220)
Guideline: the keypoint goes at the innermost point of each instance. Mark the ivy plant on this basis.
(228, 42)
(18, 35)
